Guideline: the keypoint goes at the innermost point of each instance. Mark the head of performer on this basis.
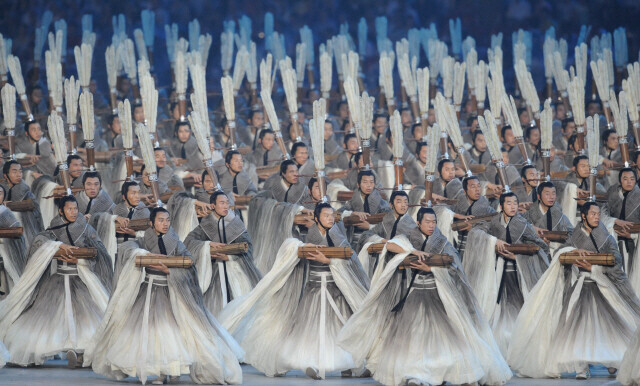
(472, 123)
(546, 194)
(431, 116)
(256, 119)
(323, 216)
(532, 135)
(530, 176)
(113, 124)
(328, 130)
(161, 157)
(75, 164)
(366, 181)
(446, 170)
(509, 204)
(593, 107)
(33, 131)
(525, 119)
(267, 139)
(568, 126)
(351, 143)
(175, 111)
(560, 111)
(131, 193)
(314, 189)
(346, 126)
(405, 117)
(145, 176)
(182, 131)
(35, 95)
(479, 142)
(581, 166)
(220, 203)
(421, 152)
(507, 137)
(380, 123)
(2, 194)
(300, 153)
(225, 127)
(627, 178)
(289, 172)
(427, 221)
(92, 183)
(590, 214)
(138, 113)
(159, 220)
(343, 110)
(609, 140)
(399, 202)
(417, 132)
(68, 208)
(233, 161)
(472, 188)
(12, 172)
(207, 182)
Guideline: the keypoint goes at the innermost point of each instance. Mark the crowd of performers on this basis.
(418, 240)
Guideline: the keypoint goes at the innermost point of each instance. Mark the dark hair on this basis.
(387, 134)
(465, 181)
(584, 210)
(62, 201)
(356, 157)
(160, 148)
(180, 124)
(318, 210)
(297, 146)
(142, 169)
(565, 123)
(578, 159)
(366, 173)
(543, 185)
(604, 137)
(504, 130)
(72, 157)
(376, 116)
(253, 112)
(111, 118)
(154, 213)
(312, 181)
(523, 171)
(414, 127)
(625, 170)
(398, 193)
(441, 164)
(7, 166)
(88, 175)
(215, 195)
(27, 124)
(229, 156)
(265, 132)
(403, 109)
(571, 142)
(471, 119)
(475, 135)
(205, 173)
(425, 210)
(527, 133)
(344, 125)
(504, 196)
(125, 187)
(347, 137)
(419, 147)
(285, 165)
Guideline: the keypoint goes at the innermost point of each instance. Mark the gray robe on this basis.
(47, 163)
(276, 185)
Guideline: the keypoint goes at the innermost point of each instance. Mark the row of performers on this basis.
(322, 314)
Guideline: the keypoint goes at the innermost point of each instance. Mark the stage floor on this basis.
(56, 373)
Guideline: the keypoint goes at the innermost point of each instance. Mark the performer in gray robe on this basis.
(446, 185)
(234, 180)
(267, 153)
(17, 190)
(35, 145)
(229, 276)
(525, 189)
(286, 186)
(186, 147)
(166, 173)
(472, 205)
(131, 208)
(76, 171)
(93, 200)
(546, 215)
(13, 251)
(57, 304)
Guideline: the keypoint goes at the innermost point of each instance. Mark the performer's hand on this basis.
(507, 254)
(214, 244)
(539, 231)
(438, 198)
(583, 264)
(583, 252)
(625, 227)
(87, 217)
(501, 246)
(33, 158)
(220, 256)
(122, 222)
(363, 225)
(36, 175)
(160, 267)
(67, 253)
(608, 163)
(524, 206)
(462, 217)
(307, 212)
(420, 254)
(362, 215)
(420, 265)
(319, 257)
(197, 178)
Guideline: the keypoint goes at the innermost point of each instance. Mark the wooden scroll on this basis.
(231, 249)
(242, 200)
(11, 232)
(436, 260)
(460, 225)
(556, 236)
(371, 219)
(523, 249)
(139, 224)
(477, 168)
(375, 248)
(572, 257)
(80, 253)
(635, 228)
(168, 261)
(331, 157)
(338, 174)
(330, 252)
(345, 196)
(60, 191)
(267, 170)
(21, 206)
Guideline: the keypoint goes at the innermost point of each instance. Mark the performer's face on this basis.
(448, 171)
(161, 223)
(473, 189)
(582, 169)
(509, 138)
(534, 137)
(115, 126)
(417, 132)
(302, 155)
(627, 181)
(593, 216)
(75, 168)
(510, 206)
(428, 224)
(431, 116)
(183, 133)
(328, 130)
(14, 174)
(138, 114)
(423, 154)
(221, 206)
(267, 141)
(161, 158)
(257, 119)
(352, 145)
(401, 204)
(70, 211)
(236, 163)
(145, 178)
(35, 131)
(207, 183)
(406, 118)
(531, 177)
(92, 187)
(612, 141)
(326, 217)
(367, 184)
(480, 144)
(133, 195)
(570, 127)
(380, 125)
(291, 175)
(1, 195)
(315, 191)
(548, 196)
